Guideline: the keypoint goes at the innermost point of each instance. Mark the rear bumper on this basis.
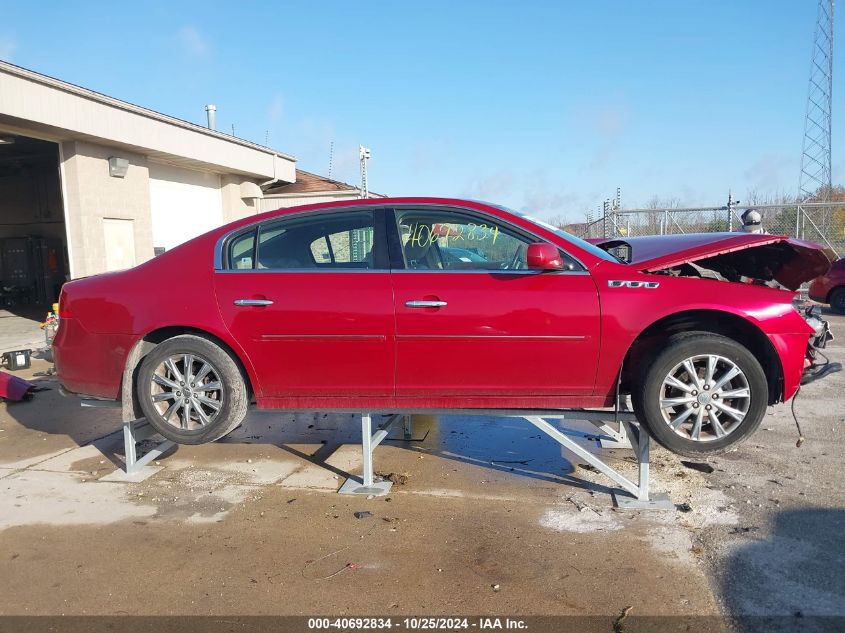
(89, 363)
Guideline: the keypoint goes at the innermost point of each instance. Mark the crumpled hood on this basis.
(786, 260)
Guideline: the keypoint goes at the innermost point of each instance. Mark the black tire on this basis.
(837, 300)
(650, 389)
(231, 399)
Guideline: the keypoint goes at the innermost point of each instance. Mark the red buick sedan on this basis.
(424, 303)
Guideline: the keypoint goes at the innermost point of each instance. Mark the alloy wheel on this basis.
(705, 398)
(187, 391)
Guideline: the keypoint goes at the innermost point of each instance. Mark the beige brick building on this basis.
(89, 183)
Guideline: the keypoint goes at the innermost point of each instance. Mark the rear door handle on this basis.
(425, 304)
(253, 302)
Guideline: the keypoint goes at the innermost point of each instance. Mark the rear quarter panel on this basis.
(113, 312)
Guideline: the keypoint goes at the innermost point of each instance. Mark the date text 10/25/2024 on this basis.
(417, 623)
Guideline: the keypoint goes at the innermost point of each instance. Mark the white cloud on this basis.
(193, 42)
(8, 46)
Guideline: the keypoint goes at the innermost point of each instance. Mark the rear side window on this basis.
(327, 241)
(241, 251)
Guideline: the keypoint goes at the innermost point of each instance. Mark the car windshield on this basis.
(577, 241)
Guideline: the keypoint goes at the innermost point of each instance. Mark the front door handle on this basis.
(425, 304)
(253, 302)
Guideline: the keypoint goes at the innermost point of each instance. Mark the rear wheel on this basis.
(837, 301)
(701, 395)
(191, 391)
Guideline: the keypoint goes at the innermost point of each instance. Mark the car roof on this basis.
(358, 203)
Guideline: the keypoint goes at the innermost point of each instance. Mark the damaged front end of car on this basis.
(816, 364)
(774, 261)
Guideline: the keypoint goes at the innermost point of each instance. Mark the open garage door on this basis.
(33, 249)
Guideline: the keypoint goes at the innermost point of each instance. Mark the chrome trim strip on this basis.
(253, 302)
(218, 247)
(318, 337)
(491, 272)
(264, 271)
(565, 337)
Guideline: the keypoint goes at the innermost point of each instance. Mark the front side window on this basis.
(327, 241)
(448, 240)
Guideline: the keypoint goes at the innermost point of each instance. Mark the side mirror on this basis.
(544, 256)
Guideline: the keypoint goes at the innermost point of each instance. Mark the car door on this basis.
(472, 320)
(308, 297)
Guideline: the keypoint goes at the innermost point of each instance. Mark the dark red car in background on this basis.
(424, 303)
(830, 287)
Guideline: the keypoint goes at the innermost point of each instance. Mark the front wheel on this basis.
(703, 394)
(191, 391)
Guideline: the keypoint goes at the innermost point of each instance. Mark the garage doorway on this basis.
(33, 243)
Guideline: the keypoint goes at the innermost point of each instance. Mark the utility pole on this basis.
(364, 155)
(732, 204)
(605, 224)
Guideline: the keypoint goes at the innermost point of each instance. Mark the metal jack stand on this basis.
(638, 440)
(369, 440)
(136, 431)
(617, 438)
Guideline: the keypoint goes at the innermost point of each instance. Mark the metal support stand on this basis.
(136, 431)
(638, 496)
(615, 438)
(369, 440)
(635, 495)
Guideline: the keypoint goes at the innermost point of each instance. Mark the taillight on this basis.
(64, 311)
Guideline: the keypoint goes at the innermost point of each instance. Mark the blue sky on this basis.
(543, 106)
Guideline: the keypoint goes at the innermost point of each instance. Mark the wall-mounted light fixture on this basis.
(118, 167)
(250, 191)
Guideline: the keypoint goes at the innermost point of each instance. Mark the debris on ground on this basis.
(495, 587)
(398, 478)
(364, 514)
(744, 530)
(684, 507)
(15, 389)
(578, 505)
(701, 467)
(588, 467)
(619, 623)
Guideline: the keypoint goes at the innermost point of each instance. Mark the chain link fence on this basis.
(822, 223)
